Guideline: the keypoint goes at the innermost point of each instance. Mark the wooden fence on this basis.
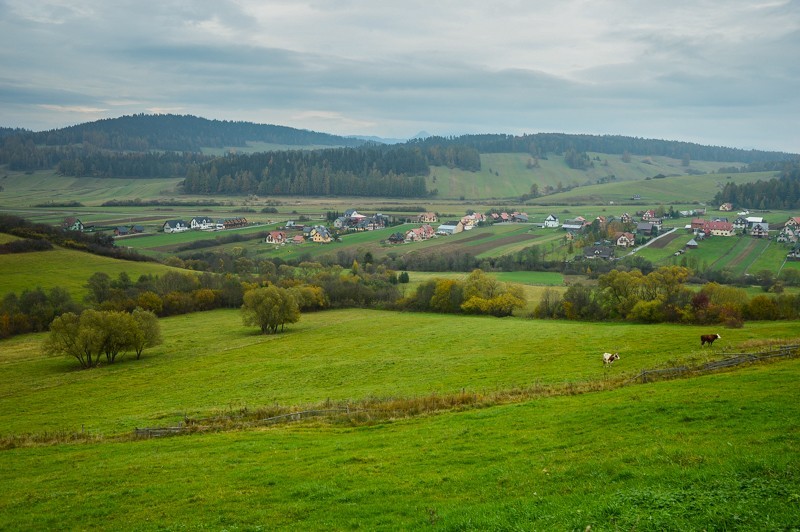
(647, 375)
(732, 359)
(158, 432)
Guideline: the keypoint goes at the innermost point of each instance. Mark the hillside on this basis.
(182, 133)
(241, 158)
(683, 451)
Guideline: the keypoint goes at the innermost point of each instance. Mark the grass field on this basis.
(739, 254)
(67, 269)
(333, 355)
(681, 189)
(713, 452)
(506, 175)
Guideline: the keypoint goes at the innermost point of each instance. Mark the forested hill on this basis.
(541, 144)
(780, 193)
(181, 133)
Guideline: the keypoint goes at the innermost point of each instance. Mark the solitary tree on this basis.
(269, 308)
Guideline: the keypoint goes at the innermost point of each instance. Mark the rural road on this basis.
(653, 240)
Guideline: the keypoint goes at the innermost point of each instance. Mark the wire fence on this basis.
(645, 376)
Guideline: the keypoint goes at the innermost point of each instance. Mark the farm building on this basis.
(575, 224)
(645, 228)
(427, 218)
(450, 228)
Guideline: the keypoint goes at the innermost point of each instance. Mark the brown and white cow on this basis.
(708, 339)
(608, 358)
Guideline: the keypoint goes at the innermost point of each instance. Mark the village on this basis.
(611, 233)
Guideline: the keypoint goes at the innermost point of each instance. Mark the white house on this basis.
(175, 226)
(551, 221)
(202, 223)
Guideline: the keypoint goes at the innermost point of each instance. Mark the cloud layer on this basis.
(720, 73)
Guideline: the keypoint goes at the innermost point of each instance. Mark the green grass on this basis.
(716, 453)
(337, 355)
(739, 254)
(506, 175)
(68, 269)
(680, 189)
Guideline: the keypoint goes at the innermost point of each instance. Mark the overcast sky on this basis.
(715, 72)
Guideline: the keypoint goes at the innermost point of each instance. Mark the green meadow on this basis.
(331, 355)
(507, 175)
(675, 189)
(713, 452)
(65, 268)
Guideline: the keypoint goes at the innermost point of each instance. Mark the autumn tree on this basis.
(270, 308)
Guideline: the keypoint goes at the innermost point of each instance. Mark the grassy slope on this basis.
(338, 355)
(506, 175)
(682, 189)
(717, 453)
(65, 268)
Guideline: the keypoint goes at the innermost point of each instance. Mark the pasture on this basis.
(675, 189)
(718, 451)
(336, 355)
(65, 268)
(508, 175)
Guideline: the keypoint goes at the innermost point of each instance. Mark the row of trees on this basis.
(93, 334)
(662, 296)
(477, 294)
(540, 144)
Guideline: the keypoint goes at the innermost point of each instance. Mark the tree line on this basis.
(662, 296)
(541, 144)
(477, 294)
(347, 171)
(777, 193)
(181, 133)
(38, 236)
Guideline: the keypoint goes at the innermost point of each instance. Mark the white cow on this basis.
(608, 358)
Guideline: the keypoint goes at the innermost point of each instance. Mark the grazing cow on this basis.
(708, 338)
(608, 358)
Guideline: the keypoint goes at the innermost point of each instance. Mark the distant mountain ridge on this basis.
(143, 132)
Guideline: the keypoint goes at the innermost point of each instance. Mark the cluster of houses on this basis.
(202, 223)
(754, 226)
(353, 221)
(309, 233)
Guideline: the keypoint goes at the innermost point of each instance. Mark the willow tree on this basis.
(270, 308)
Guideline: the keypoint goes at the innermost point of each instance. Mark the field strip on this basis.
(743, 254)
(759, 256)
(711, 266)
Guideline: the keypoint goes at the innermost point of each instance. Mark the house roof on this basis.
(718, 226)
